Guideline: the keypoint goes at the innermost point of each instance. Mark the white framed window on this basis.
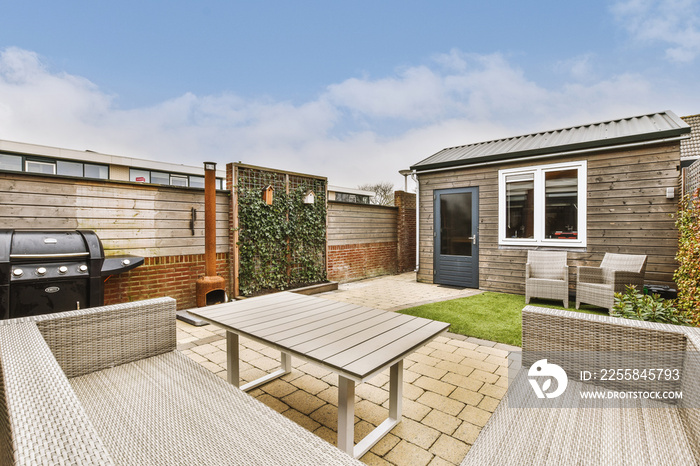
(543, 205)
(35, 166)
(179, 180)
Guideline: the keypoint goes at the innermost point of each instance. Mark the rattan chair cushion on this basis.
(169, 410)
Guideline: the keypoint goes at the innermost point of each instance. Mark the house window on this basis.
(543, 205)
(100, 172)
(69, 168)
(160, 178)
(10, 162)
(45, 168)
(178, 180)
(196, 181)
(141, 176)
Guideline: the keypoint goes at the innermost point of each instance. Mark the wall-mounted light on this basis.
(209, 165)
(670, 193)
(405, 174)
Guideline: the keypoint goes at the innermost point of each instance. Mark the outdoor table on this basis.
(353, 341)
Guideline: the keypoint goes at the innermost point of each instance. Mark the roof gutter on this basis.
(418, 171)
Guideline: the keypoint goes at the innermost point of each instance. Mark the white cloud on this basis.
(675, 23)
(457, 99)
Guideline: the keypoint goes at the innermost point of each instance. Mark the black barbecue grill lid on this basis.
(28, 244)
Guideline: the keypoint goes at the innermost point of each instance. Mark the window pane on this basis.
(10, 162)
(219, 183)
(456, 224)
(520, 206)
(196, 181)
(41, 167)
(96, 171)
(561, 204)
(143, 176)
(69, 168)
(178, 180)
(160, 178)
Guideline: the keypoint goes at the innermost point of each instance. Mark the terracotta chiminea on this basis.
(211, 288)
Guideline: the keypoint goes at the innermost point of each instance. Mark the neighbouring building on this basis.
(351, 195)
(604, 187)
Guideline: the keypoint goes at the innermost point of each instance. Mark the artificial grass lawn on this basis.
(489, 316)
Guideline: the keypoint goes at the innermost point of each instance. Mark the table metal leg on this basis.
(346, 413)
(232, 359)
(233, 362)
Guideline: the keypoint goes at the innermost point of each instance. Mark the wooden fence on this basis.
(155, 222)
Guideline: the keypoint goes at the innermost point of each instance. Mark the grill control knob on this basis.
(62, 269)
(18, 272)
(83, 268)
(126, 262)
(41, 271)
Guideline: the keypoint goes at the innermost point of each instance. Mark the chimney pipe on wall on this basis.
(211, 287)
(210, 219)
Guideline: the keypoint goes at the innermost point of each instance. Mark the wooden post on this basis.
(289, 250)
(234, 214)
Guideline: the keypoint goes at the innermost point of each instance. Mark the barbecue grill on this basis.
(42, 272)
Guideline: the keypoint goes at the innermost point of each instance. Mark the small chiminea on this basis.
(211, 288)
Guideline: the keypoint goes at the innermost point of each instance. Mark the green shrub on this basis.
(687, 276)
(652, 308)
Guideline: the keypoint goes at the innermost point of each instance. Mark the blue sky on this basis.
(353, 91)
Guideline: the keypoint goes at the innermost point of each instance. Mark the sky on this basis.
(354, 91)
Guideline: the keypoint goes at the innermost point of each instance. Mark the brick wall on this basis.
(350, 262)
(173, 276)
(406, 227)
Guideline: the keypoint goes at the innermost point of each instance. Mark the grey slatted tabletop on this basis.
(353, 341)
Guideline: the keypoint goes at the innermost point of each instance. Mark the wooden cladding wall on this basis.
(628, 213)
(360, 223)
(129, 218)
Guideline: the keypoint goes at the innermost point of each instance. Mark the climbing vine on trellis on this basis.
(283, 245)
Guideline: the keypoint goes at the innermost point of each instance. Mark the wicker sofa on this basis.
(107, 386)
(635, 432)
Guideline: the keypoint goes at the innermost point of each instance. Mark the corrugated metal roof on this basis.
(651, 127)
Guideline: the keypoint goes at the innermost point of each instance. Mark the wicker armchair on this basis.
(597, 285)
(547, 276)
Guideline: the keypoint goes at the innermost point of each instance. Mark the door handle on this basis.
(473, 238)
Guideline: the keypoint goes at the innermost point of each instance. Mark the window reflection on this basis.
(561, 204)
(456, 224)
(520, 206)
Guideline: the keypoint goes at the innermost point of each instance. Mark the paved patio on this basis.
(451, 386)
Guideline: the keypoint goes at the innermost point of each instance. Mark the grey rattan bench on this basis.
(107, 386)
(652, 432)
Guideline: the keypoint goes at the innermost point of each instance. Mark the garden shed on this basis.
(604, 187)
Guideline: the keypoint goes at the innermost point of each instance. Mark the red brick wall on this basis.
(356, 261)
(173, 276)
(406, 226)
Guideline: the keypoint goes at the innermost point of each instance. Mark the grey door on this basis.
(456, 237)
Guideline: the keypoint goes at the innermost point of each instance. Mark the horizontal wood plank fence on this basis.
(151, 221)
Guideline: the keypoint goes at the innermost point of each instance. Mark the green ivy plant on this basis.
(282, 245)
(687, 276)
(652, 308)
